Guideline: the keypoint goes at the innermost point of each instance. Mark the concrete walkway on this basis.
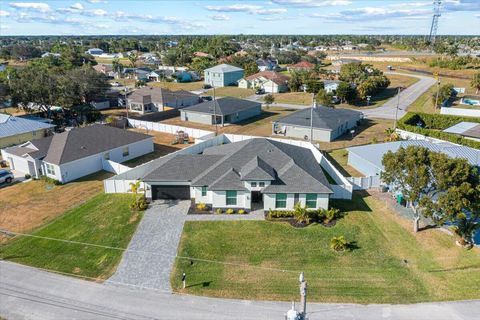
(30, 294)
(153, 247)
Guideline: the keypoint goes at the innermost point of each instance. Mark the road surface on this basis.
(29, 293)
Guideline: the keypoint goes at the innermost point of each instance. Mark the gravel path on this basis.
(157, 238)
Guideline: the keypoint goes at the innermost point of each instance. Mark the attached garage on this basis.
(170, 192)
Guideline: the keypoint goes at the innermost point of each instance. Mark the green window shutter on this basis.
(204, 191)
(311, 201)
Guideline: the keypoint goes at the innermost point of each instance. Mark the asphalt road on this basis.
(28, 293)
(407, 97)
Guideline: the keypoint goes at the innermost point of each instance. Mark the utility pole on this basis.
(434, 27)
(438, 90)
(396, 109)
(215, 111)
(314, 106)
(303, 296)
(126, 102)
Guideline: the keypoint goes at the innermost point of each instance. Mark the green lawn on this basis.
(373, 272)
(339, 159)
(104, 220)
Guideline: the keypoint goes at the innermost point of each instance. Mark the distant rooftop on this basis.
(466, 129)
(11, 125)
(224, 68)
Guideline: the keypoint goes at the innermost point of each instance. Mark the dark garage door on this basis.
(170, 192)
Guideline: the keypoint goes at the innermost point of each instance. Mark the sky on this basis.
(115, 17)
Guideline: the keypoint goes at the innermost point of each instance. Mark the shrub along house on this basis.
(253, 174)
(76, 153)
(222, 111)
(328, 123)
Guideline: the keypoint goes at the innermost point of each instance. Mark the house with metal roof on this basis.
(222, 111)
(327, 123)
(223, 75)
(367, 159)
(76, 153)
(16, 130)
(150, 99)
(258, 173)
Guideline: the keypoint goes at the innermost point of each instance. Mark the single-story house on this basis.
(94, 51)
(226, 110)
(367, 159)
(223, 75)
(252, 174)
(267, 64)
(76, 153)
(302, 66)
(16, 130)
(270, 81)
(330, 85)
(328, 123)
(150, 99)
(469, 130)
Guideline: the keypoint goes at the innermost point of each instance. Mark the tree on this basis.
(117, 67)
(338, 243)
(352, 72)
(466, 228)
(324, 98)
(444, 93)
(269, 99)
(475, 83)
(200, 64)
(133, 57)
(250, 68)
(345, 92)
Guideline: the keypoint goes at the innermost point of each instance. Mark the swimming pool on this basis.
(471, 102)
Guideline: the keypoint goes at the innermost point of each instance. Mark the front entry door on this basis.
(256, 196)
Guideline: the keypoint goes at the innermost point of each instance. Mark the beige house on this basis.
(16, 130)
(270, 81)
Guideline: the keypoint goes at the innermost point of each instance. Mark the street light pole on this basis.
(396, 109)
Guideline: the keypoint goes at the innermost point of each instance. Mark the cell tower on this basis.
(436, 14)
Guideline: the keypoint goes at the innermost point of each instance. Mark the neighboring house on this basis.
(253, 174)
(103, 68)
(330, 85)
(49, 54)
(328, 123)
(77, 153)
(139, 74)
(200, 54)
(302, 66)
(227, 110)
(469, 130)
(367, 159)
(223, 75)
(16, 130)
(342, 61)
(149, 99)
(94, 51)
(267, 64)
(270, 81)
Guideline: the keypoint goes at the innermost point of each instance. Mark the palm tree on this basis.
(136, 187)
(338, 243)
(466, 228)
(133, 57)
(301, 214)
(392, 135)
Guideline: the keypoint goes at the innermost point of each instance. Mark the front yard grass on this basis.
(104, 220)
(176, 86)
(231, 92)
(388, 263)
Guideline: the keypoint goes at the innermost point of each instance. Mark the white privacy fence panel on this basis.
(363, 183)
(114, 167)
(167, 128)
(407, 135)
(461, 112)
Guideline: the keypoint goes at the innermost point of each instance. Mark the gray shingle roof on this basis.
(230, 180)
(11, 126)
(160, 96)
(464, 128)
(257, 169)
(323, 117)
(37, 149)
(223, 68)
(224, 106)
(83, 142)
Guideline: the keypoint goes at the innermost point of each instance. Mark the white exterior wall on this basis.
(195, 117)
(197, 194)
(461, 112)
(269, 201)
(219, 200)
(82, 167)
(301, 132)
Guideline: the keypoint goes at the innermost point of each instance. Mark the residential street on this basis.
(28, 293)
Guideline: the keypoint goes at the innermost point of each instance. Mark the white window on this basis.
(50, 169)
(254, 184)
(261, 184)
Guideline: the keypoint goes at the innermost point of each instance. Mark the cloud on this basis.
(97, 1)
(267, 12)
(180, 23)
(77, 6)
(4, 13)
(34, 6)
(312, 3)
(373, 13)
(461, 5)
(220, 17)
(97, 12)
(252, 9)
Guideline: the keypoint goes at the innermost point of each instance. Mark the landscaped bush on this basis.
(241, 211)
(201, 206)
(338, 243)
(431, 125)
(218, 211)
(276, 214)
(27, 176)
(139, 203)
(51, 181)
(230, 211)
(303, 215)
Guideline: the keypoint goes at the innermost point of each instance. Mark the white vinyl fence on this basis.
(168, 128)
(114, 167)
(364, 183)
(461, 112)
(407, 135)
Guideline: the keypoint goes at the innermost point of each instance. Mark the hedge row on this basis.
(432, 124)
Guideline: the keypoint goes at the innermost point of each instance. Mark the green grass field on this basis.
(104, 220)
(388, 263)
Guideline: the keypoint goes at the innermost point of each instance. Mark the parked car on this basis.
(115, 84)
(6, 176)
(260, 91)
(206, 98)
(206, 86)
(335, 100)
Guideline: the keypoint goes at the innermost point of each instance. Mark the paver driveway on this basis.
(151, 252)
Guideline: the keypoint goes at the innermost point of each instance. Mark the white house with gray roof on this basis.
(257, 173)
(328, 123)
(223, 75)
(223, 111)
(77, 153)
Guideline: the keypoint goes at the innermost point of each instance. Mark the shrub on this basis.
(139, 203)
(27, 176)
(330, 215)
(338, 243)
(51, 181)
(201, 206)
(241, 211)
(301, 214)
(219, 211)
(275, 214)
(230, 211)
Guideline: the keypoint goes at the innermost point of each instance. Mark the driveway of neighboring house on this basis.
(151, 252)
